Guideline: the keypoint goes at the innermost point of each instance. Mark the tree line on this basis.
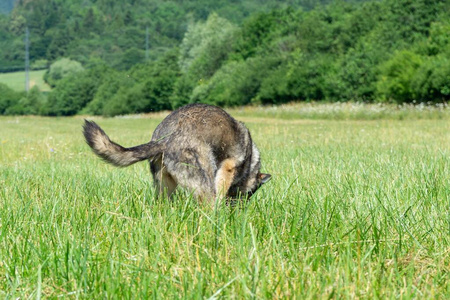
(389, 50)
(111, 30)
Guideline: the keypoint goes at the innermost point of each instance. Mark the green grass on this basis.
(16, 80)
(355, 209)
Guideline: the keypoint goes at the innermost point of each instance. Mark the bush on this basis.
(182, 91)
(39, 64)
(61, 69)
(431, 83)
(144, 88)
(396, 76)
(29, 104)
(8, 98)
(111, 84)
(125, 101)
(74, 92)
(236, 83)
(206, 46)
(151, 95)
(298, 78)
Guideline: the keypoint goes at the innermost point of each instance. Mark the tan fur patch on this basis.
(224, 177)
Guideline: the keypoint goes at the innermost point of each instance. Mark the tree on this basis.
(396, 77)
(8, 98)
(30, 103)
(17, 24)
(431, 81)
(205, 46)
(74, 92)
(61, 69)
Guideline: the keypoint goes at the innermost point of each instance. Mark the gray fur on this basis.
(198, 146)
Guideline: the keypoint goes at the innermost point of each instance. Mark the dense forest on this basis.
(114, 57)
(113, 31)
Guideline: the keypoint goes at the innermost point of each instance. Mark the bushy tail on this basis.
(114, 153)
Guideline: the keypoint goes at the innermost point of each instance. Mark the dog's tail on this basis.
(114, 153)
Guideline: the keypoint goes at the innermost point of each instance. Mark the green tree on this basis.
(17, 24)
(61, 69)
(112, 84)
(206, 46)
(396, 77)
(8, 98)
(236, 83)
(30, 103)
(74, 92)
(431, 81)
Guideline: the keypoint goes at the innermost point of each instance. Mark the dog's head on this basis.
(247, 188)
(251, 181)
(255, 183)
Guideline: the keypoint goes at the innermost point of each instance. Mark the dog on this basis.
(199, 147)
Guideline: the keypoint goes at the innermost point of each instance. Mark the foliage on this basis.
(237, 83)
(8, 98)
(205, 46)
(75, 91)
(31, 103)
(431, 82)
(113, 30)
(396, 76)
(111, 86)
(212, 52)
(60, 69)
(144, 88)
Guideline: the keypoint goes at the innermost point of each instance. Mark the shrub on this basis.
(61, 69)
(39, 64)
(111, 83)
(30, 103)
(298, 78)
(396, 76)
(144, 88)
(8, 98)
(74, 92)
(182, 91)
(431, 83)
(236, 83)
(206, 46)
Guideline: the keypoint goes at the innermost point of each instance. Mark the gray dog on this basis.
(199, 147)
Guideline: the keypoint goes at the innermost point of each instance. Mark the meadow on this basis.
(16, 80)
(358, 207)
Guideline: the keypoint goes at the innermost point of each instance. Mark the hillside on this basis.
(114, 31)
(375, 51)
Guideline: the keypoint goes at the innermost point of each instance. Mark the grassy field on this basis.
(16, 80)
(355, 209)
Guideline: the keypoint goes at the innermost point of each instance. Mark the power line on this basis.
(27, 59)
(146, 43)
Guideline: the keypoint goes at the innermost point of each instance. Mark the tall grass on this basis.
(354, 209)
(349, 111)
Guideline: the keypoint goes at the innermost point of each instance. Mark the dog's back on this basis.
(199, 147)
(200, 125)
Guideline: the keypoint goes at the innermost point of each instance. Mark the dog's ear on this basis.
(263, 178)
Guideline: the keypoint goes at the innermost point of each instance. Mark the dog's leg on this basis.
(168, 184)
(192, 171)
(163, 181)
(224, 177)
